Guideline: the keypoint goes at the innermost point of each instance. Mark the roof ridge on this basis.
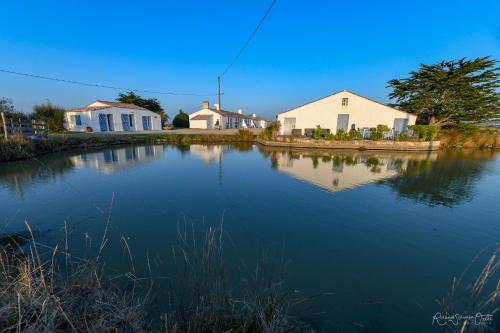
(338, 92)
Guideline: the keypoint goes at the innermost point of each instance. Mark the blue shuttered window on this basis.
(103, 122)
(146, 123)
(126, 122)
(77, 119)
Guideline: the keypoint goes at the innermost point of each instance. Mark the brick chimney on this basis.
(205, 105)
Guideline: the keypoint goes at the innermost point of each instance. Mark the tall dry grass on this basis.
(46, 289)
(38, 295)
(201, 299)
(480, 296)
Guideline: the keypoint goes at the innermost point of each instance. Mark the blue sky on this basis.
(304, 50)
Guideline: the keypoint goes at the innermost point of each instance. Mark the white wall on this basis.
(200, 124)
(71, 125)
(91, 119)
(205, 123)
(324, 112)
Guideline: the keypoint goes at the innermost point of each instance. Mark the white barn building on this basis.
(344, 110)
(102, 116)
(208, 117)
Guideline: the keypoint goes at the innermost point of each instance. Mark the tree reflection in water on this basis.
(17, 175)
(448, 180)
(437, 178)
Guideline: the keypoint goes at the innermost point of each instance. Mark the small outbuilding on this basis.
(103, 116)
(343, 110)
(208, 118)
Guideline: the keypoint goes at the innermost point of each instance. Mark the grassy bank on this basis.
(18, 148)
(469, 137)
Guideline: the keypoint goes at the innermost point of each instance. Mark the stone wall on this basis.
(354, 144)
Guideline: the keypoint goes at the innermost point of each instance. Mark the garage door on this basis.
(400, 125)
(343, 122)
(288, 126)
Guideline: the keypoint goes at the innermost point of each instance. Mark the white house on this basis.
(215, 118)
(344, 110)
(102, 116)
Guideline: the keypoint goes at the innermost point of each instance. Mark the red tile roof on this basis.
(88, 108)
(122, 105)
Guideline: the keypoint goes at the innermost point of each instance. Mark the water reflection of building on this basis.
(346, 170)
(208, 153)
(110, 160)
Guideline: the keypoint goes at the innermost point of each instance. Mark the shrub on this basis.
(267, 133)
(181, 120)
(403, 136)
(275, 126)
(425, 132)
(354, 135)
(432, 132)
(340, 135)
(375, 135)
(317, 133)
(51, 114)
(378, 133)
(330, 136)
(382, 128)
(245, 135)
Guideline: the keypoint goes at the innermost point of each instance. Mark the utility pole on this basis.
(218, 79)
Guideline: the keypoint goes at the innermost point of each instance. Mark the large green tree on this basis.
(53, 115)
(450, 92)
(181, 120)
(151, 104)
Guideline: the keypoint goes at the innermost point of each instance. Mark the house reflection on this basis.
(213, 153)
(208, 153)
(337, 171)
(110, 160)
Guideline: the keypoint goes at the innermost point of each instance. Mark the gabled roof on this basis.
(88, 108)
(341, 91)
(201, 117)
(229, 113)
(121, 105)
(106, 105)
(235, 114)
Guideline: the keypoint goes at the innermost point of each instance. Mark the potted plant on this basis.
(275, 129)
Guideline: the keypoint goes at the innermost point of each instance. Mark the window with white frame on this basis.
(77, 120)
(345, 101)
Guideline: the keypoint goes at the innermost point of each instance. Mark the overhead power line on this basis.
(101, 85)
(240, 52)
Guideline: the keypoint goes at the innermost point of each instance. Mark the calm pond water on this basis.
(384, 232)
